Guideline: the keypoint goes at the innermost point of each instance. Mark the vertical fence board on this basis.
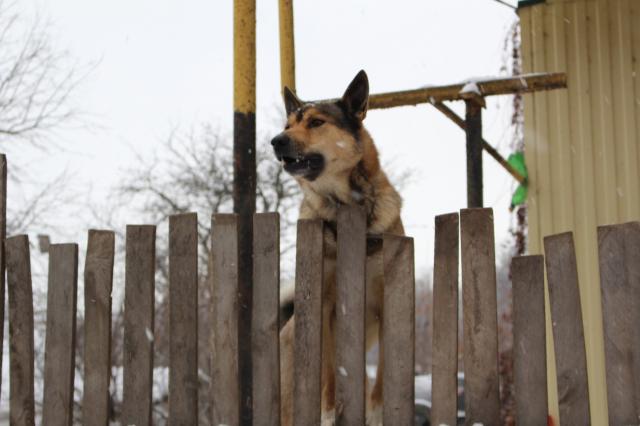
(59, 355)
(568, 333)
(308, 322)
(183, 319)
(619, 258)
(98, 282)
(480, 320)
(398, 331)
(21, 409)
(266, 313)
(140, 266)
(529, 340)
(350, 316)
(3, 235)
(445, 321)
(226, 384)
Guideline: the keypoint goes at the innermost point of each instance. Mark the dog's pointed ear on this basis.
(356, 97)
(291, 101)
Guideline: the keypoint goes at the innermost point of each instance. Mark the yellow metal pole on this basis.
(287, 45)
(244, 183)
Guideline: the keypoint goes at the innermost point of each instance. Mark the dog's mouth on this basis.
(308, 166)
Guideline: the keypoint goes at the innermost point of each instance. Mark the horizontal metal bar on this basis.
(501, 86)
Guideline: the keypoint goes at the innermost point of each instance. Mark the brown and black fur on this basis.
(332, 156)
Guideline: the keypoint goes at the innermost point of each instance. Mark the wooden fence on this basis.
(465, 238)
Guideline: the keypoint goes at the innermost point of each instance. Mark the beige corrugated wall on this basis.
(582, 145)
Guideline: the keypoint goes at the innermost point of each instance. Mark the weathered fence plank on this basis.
(568, 333)
(3, 235)
(480, 318)
(529, 341)
(98, 282)
(350, 316)
(308, 323)
(59, 355)
(21, 408)
(224, 279)
(266, 312)
(445, 321)
(140, 268)
(183, 319)
(619, 258)
(398, 331)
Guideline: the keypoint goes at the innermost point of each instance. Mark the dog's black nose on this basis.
(280, 141)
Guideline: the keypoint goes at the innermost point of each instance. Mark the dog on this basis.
(326, 148)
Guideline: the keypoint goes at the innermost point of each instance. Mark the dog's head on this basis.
(323, 138)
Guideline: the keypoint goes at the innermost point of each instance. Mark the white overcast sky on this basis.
(165, 63)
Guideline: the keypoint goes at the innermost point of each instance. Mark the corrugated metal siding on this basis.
(582, 144)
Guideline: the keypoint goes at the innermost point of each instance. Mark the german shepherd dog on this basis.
(326, 148)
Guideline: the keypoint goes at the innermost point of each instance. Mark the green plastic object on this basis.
(516, 160)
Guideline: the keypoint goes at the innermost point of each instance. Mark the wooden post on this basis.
(473, 129)
(183, 319)
(480, 317)
(266, 319)
(445, 321)
(529, 340)
(98, 282)
(307, 364)
(224, 291)
(350, 315)
(619, 255)
(568, 333)
(398, 331)
(60, 345)
(21, 403)
(139, 298)
(3, 235)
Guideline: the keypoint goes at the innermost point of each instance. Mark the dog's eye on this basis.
(316, 122)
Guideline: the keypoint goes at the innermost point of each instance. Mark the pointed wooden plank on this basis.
(183, 319)
(480, 318)
(60, 345)
(398, 331)
(21, 408)
(266, 313)
(350, 315)
(98, 282)
(445, 321)
(139, 296)
(3, 235)
(568, 333)
(308, 322)
(619, 254)
(529, 340)
(224, 256)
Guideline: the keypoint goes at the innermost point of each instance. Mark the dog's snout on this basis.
(280, 141)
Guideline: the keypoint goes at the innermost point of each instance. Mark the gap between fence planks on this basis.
(445, 320)
(140, 265)
(3, 235)
(60, 344)
(568, 334)
(480, 318)
(619, 259)
(98, 282)
(398, 331)
(266, 319)
(350, 346)
(529, 340)
(183, 319)
(224, 281)
(308, 322)
(21, 403)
